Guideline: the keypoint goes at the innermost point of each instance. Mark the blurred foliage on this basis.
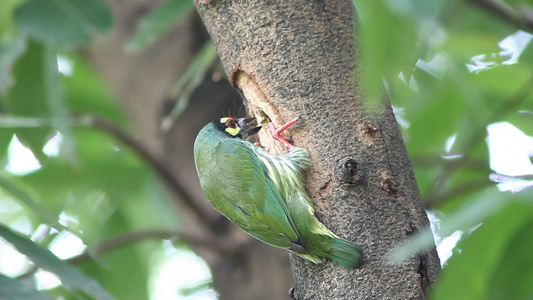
(93, 186)
(188, 82)
(450, 68)
(493, 263)
(70, 276)
(158, 22)
(15, 289)
(63, 22)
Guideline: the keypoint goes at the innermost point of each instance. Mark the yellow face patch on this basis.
(231, 125)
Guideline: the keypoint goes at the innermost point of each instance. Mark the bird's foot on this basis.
(276, 133)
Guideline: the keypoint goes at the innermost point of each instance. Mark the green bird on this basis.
(265, 194)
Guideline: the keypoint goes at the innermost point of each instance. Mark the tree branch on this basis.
(522, 19)
(161, 169)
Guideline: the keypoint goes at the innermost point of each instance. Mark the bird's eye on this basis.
(230, 123)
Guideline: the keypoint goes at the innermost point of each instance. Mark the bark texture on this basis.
(296, 58)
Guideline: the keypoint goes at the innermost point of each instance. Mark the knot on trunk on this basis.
(348, 171)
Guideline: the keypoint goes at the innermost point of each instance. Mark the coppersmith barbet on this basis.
(264, 194)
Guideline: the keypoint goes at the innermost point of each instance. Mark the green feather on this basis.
(265, 196)
(345, 254)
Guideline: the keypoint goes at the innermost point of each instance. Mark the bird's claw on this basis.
(276, 133)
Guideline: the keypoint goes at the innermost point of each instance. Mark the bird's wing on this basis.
(244, 193)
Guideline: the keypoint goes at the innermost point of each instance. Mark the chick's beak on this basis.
(246, 129)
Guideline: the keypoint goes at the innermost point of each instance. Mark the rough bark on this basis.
(142, 82)
(296, 58)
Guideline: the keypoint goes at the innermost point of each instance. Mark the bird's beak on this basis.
(246, 129)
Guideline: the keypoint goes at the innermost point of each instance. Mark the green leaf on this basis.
(517, 256)
(463, 45)
(109, 177)
(6, 17)
(486, 267)
(13, 289)
(475, 211)
(378, 38)
(5, 138)
(188, 82)
(88, 92)
(70, 276)
(157, 22)
(64, 22)
(502, 81)
(435, 113)
(27, 97)
(10, 50)
(127, 268)
(38, 93)
(28, 201)
(111, 193)
(55, 100)
(523, 120)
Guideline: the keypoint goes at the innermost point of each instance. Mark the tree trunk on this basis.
(296, 58)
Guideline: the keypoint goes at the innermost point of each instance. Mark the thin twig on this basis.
(522, 18)
(162, 170)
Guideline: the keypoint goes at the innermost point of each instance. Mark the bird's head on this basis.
(240, 128)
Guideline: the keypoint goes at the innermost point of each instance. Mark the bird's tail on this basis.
(345, 254)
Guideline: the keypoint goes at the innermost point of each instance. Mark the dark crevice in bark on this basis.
(423, 272)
